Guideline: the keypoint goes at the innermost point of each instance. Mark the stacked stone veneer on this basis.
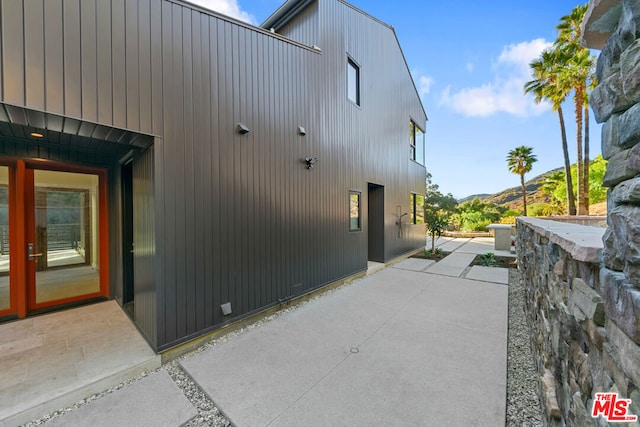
(584, 320)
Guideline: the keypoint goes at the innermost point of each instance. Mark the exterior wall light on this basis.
(243, 129)
(311, 162)
(36, 135)
(301, 130)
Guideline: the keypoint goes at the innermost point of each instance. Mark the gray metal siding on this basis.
(237, 218)
(144, 241)
(304, 27)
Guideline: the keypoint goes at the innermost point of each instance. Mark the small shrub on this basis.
(436, 251)
(488, 259)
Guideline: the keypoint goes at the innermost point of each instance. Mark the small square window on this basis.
(416, 204)
(354, 211)
(353, 82)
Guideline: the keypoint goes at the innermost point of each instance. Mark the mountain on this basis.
(512, 197)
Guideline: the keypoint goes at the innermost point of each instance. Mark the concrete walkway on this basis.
(413, 344)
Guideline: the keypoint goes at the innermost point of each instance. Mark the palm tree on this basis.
(576, 72)
(546, 86)
(520, 160)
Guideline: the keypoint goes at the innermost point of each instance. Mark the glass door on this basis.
(5, 291)
(63, 237)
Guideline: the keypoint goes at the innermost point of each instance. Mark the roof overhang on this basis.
(285, 13)
(600, 21)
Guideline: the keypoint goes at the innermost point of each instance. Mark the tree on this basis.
(520, 160)
(577, 73)
(546, 85)
(437, 210)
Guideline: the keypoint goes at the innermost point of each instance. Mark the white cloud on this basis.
(470, 67)
(424, 85)
(505, 92)
(227, 7)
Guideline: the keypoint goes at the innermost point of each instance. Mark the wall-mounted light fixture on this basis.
(311, 162)
(301, 130)
(243, 129)
(36, 135)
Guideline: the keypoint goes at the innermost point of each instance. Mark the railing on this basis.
(63, 236)
(59, 236)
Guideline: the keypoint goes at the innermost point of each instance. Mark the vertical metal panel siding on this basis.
(34, 53)
(12, 52)
(144, 243)
(304, 27)
(239, 217)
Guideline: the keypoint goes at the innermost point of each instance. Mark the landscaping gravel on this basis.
(523, 407)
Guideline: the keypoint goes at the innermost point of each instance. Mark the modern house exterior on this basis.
(195, 168)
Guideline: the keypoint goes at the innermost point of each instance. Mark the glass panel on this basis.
(5, 301)
(419, 209)
(352, 82)
(66, 235)
(354, 211)
(419, 144)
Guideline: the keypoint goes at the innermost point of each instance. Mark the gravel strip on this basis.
(523, 405)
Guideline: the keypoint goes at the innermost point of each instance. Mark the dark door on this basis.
(375, 215)
(127, 235)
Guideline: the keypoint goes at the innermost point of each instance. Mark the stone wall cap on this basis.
(599, 21)
(583, 242)
(499, 226)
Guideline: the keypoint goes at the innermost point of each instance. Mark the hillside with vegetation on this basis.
(546, 196)
(546, 193)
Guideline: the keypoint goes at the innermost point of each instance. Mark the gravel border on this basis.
(523, 406)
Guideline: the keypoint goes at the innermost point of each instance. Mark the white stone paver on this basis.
(489, 274)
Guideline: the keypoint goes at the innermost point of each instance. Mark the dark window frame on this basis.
(358, 226)
(351, 64)
(414, 209)
(412, 142)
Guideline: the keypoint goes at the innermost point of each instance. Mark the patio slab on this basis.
(386, 350)
(489, 274)
(151, 401)
(452, 265)
(414, 264)
(53, 360)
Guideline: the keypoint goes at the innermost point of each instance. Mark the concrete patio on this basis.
(416, 343)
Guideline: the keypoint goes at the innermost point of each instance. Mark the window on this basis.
(353, 82)
(416, 203)
(416, 143)
(354, 211)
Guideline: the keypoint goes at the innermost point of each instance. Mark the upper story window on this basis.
(416, 142)
(353, 82)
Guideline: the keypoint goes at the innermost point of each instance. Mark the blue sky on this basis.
(469, 63)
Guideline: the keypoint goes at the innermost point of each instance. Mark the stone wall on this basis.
(584, 320)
